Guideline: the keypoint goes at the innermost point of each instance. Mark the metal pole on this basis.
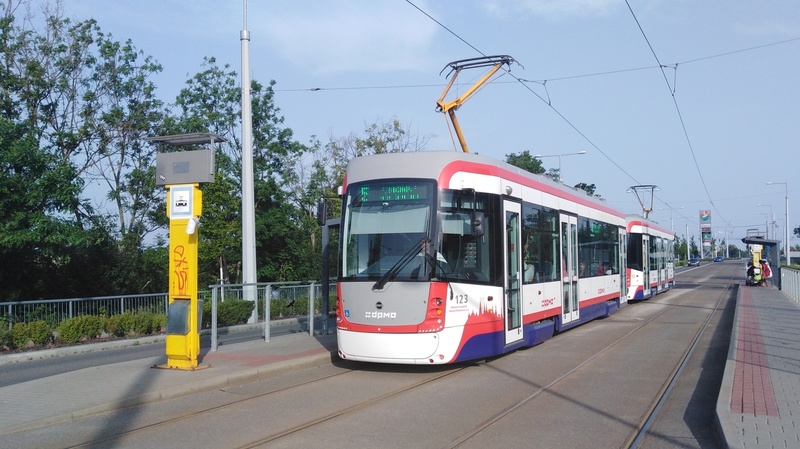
(311, 309)
(325, 276)
(787, 246)
(267, 312)
(560, 178)
(687, 242)
(214, 319)
(248, 203)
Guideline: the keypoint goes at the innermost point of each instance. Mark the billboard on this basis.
(706, 235)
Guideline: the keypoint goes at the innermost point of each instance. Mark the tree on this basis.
(693, 247)
(75, 105)
(526, 161)
(588, 188)
(210, 102)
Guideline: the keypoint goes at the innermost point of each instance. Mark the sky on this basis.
(700, 99)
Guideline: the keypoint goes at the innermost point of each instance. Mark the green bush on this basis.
(143, 323)
(234, 311)
(84, 326)
(159, 322)
(229, 312)
(112, 326)
(38, 332)
(5, 333)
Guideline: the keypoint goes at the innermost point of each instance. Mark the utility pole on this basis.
(248, 195)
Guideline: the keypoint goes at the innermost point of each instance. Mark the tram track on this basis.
(640, 431)
(131, 432)
(636, 437)
(350, 409)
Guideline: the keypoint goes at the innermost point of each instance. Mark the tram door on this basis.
(646, 266)
(513, 272)
(623, 265)
(569, 268)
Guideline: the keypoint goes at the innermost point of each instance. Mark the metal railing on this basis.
(276, 300)
(286, 300)
(54, 311)
(790, 282)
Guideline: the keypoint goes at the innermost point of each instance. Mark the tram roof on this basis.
(441, 165)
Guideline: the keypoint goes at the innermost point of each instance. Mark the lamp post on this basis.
(786, 245)
(771, 218)
(671, 209)
(560, 178)
(766, 224)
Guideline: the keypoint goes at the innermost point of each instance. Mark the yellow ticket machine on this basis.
(184, 206)
(181, 173)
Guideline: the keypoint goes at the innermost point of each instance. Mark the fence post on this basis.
(213, 319)
(311, 309)
(267, 311)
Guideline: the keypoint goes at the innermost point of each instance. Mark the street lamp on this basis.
(560, 178)
(766, 224)
(771, 217)
(786, 245)
(725, 241)
(671, 223)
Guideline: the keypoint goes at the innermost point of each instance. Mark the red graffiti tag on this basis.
(181, 269)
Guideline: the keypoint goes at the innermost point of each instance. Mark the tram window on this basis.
(383, 223)
(470, 257)
(598, 248)
(654, 253)
(635, 251)
(541, 250)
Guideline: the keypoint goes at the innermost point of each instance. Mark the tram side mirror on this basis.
(477, 224)
(322, 212)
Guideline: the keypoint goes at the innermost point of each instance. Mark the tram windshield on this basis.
(385, 221)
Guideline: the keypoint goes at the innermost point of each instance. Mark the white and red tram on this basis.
(449, 256)
(651, 258)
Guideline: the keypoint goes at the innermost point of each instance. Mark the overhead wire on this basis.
(677, 110)
(548, 102)
(523, 83)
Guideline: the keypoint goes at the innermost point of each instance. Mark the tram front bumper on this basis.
(414, 349)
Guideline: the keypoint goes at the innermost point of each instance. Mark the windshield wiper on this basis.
(400, 264)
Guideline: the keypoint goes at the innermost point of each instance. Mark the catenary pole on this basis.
(248, 203)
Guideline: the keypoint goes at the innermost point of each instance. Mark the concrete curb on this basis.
(41, 354)
(723, 420)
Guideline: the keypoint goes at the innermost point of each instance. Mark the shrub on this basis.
(128, 323)
(234, 311)
(84, 326)
(38, 332)
(115, 325)
(159, 322)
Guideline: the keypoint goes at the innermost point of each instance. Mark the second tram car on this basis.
(651, 258)
(449, 256)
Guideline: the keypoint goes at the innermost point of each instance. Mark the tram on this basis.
(449, 256)
(651, 258)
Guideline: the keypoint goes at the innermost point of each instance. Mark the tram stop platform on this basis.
(81, 393)
(759, 400)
